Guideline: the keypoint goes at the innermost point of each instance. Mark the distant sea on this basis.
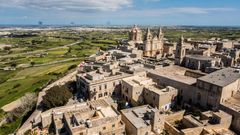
(3, 26)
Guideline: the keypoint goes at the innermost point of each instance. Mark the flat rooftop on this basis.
(136, 115)
(160, 90)
(138, 81)
(102, 77)
(200, 57)
(93, 114)
(118, 51)
(222, 77)
(176, 73)
(233, 102)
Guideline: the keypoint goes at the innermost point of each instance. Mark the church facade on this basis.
(151, 45)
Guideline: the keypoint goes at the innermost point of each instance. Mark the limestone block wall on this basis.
(235, 125)
(171, 129)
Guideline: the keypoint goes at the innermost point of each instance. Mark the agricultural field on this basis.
(45, 56)
(35, 61)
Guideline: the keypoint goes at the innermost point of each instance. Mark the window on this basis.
(94, 89)
(105, 93)
(81, 133)
(126, 90)
(198, 96)
(99, 95)
(104, 128)
(105, 86)
(100, 87)
(113, 125)
(200, 84)
(114, 84)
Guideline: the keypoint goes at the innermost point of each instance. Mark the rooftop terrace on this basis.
(137, 115)
(233, 102)
(176, 73)
(138, 81)
(222, 77)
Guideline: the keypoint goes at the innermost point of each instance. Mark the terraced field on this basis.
(43, 58)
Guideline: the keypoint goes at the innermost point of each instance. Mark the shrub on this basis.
(16, 86)
(55, 73)
(14, 64)
(72, 67)
(32, 63)
(7, 48)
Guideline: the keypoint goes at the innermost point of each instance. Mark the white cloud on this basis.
(75, 5)
(174, 10)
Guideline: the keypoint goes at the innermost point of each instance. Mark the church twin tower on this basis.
(152, 45)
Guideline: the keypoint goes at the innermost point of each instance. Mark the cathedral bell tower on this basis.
(180, 52)
(160, 42)
(135, 34)
(148, 43)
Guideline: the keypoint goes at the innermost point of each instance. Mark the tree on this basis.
(32, 63)
(56, 96)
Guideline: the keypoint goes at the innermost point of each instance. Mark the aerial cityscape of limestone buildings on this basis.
(147, 85)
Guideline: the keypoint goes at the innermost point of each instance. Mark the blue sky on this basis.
(145, 12)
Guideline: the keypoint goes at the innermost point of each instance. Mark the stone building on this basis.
(139, 90)
(201, 62)
(217, 90)
(217, 87)
(143, 120)
(180, 52)
(200, 59)
(99, 56)
(153, 45)
(135, 35)
(208, 123)
(227, 61)
(150, 45)
(202, 52)
(207, 90)
(225, 43)
(183, 79)
(89, 118)
(169, 48)
(101, 83)
(231, 106)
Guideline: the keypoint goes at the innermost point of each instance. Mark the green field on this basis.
(42, 59)
(19, 82)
